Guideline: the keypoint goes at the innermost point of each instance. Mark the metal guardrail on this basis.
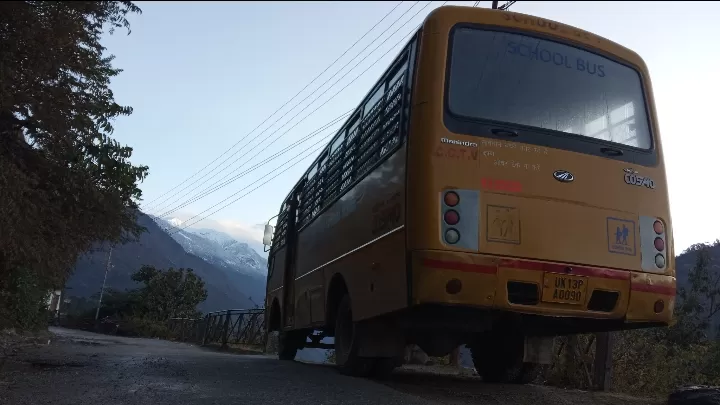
(245, 327)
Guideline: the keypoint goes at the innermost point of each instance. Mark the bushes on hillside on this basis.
(655, 361)
(165, 294)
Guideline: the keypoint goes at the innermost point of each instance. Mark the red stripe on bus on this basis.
(466, 267)
(656, 289)
(560, 268)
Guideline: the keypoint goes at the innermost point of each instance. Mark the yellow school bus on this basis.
(502, 183)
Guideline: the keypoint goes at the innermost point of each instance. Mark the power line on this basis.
(164, 204)
(324, 92)
(286, 103)
(235, 200)
(187, 224)
(237, 176)
(244, 188)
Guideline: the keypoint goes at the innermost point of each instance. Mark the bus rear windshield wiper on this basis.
(611, 151)
(503, 132)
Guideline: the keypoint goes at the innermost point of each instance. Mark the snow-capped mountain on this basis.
(216, 247)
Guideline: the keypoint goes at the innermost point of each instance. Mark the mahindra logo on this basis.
(563, 176)
(461, 143)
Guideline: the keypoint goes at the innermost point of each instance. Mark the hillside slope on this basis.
(158, 249)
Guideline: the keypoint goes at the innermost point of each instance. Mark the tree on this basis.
(65, 183)
(699, 302)
(170, 293)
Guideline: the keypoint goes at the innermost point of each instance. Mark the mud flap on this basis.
(538, 349)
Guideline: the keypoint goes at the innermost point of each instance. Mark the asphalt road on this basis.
(81, 368)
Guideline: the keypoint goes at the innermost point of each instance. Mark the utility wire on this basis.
(237, 199)
(323, 93)
(244, 188)
(165, 205)
(187, 224)
(273, 157)
(286, 103)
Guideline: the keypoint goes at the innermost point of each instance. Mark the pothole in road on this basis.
(43, 364)
(88, 342)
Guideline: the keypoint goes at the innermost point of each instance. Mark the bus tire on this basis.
(382, 368)
(287, 345)
(498, 358)
(346, 348)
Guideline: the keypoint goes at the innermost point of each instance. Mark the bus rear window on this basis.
(518, 79)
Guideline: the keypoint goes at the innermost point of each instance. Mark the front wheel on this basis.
(288, 345)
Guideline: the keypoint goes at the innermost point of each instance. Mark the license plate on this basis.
(564, 289)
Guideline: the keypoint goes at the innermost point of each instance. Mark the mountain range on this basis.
(234, 273)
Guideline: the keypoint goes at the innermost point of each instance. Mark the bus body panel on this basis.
(276, 266)
(384, 236)
(592, 222)
(369, 252)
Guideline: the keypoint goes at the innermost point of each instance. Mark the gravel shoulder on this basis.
(81, 368)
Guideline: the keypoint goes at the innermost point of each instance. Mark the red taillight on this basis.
(659, 244)
(452, 217)
(451, 199)
(658, 227)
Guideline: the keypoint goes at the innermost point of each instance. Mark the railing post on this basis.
(205, 331)
(182, 330)
(603, 361)
(198, 326)
(226, 328)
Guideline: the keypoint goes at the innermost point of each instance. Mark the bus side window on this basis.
(322, 161)
(372, 102)
(312, 172)
(352, 130)
(398, 74)
(337, 143)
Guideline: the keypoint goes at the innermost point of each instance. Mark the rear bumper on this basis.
(522, 286)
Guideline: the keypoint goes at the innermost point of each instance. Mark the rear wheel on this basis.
(346, 346)
(498, 358)
(382, 368)
(289, 343)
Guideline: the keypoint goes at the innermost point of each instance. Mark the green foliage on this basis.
(700, 301)
(65, 184)
(144, 311)
(143, 327)
(573, 362)
(169, 294)
(653, 362)
(646, 362)
(23, 301)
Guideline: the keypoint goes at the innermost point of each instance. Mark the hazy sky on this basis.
(201, 76)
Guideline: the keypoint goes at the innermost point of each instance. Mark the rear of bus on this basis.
(536, 182)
